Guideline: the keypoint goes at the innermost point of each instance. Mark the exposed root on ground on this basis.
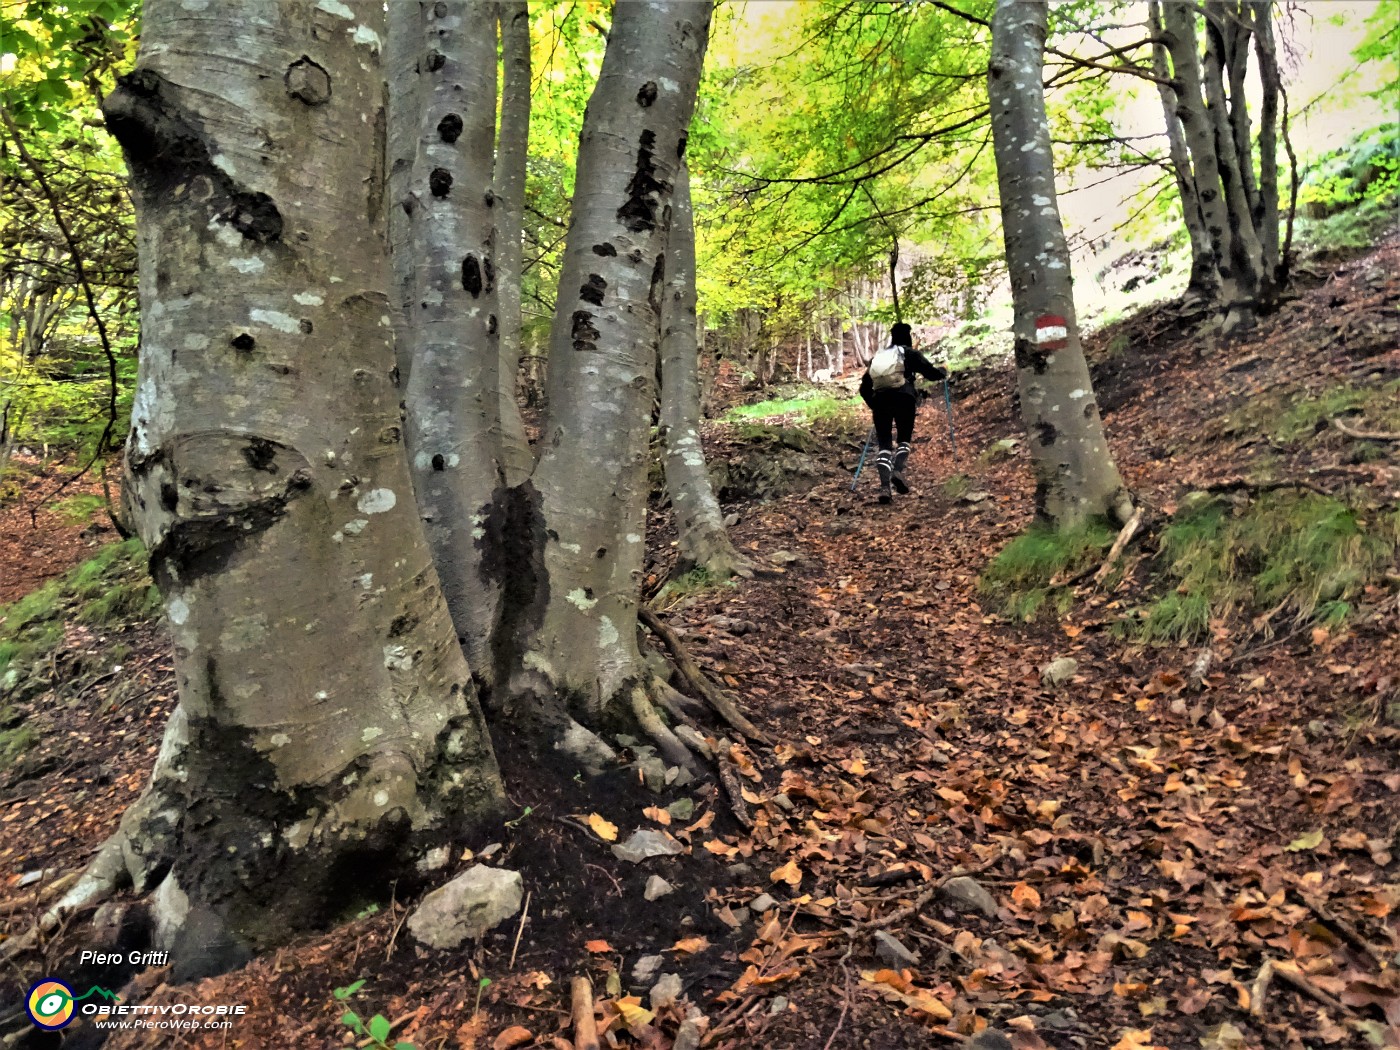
(721, 702)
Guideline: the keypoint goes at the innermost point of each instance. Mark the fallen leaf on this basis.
(602, 828)
(789, 873)
(1311, 840)
(633, 1013)
(690, 945)
(1027, 898)
(514, 1036)
(598, 947)
(658, 814)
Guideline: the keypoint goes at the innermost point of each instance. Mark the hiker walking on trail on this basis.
(888, 388)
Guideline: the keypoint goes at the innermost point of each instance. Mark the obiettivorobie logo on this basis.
(51, 1003)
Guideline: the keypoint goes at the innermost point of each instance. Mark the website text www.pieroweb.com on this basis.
(52, 1004)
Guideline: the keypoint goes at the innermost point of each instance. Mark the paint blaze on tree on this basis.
(1075, 475)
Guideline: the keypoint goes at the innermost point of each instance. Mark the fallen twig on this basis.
(1364, 435)
(585, 1024)
(524, 914)
(900, 914)
(1245, 485)
(1125, 537)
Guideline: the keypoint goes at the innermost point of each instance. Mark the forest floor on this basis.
(1175, 846)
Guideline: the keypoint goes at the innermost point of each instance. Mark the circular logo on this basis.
(50, 1004)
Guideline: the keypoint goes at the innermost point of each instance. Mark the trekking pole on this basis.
(948, 404)
(861, 465)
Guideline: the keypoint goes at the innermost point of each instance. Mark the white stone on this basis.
(478, 900)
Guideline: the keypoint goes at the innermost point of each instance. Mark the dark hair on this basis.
(901, 335)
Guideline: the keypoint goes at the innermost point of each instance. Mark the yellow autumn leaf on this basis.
(690, 945)
(1134, 1039)
(657, 814)
(1310, 840)
(633, 1012)
(789, 873)
(603, 828)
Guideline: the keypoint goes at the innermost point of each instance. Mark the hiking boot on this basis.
(882, 464)
(897, 473)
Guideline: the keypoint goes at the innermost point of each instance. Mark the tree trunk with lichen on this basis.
(1234, 153)
(703, 542)
(327, 725)
(1204, 280)
(1075, 475)
(512, 152)
(453, 425)
(577, 631)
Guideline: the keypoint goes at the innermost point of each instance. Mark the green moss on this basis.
(107, 590)
(809, 407)
(676, 591)
(80, 509)
(1022, 578)
(956, 486)
(1288, 551)
(14, 743)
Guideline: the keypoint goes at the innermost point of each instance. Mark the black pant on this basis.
(892, 408)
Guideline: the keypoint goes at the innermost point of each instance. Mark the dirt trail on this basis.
(1153, 851)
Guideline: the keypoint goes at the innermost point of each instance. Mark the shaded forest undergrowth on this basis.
(1186, 838)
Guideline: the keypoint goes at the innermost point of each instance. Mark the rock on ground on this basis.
(967, 894)
(478, 900)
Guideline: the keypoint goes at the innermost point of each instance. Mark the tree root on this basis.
(672, 748)
(734, 790)
(721, 702)
(1364, 435)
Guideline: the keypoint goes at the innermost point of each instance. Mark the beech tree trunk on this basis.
(1236, 171)
(1236, 293)
(452, 398)
(1266, 214)
(579, 633)
(1204, 280)
(328, 729)
(1075, 475)
(704, 543)
(512, 152)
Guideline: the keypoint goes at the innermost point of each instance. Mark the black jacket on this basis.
(915, 363)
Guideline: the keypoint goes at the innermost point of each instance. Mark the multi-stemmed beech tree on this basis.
(1075, 475)
(326, 711)
(302, 404)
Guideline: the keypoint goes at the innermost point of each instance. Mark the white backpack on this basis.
(887, 368)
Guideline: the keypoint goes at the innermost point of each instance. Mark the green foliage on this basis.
(1381, 46)
(803, 407)
(1367, 168)
(63, 205)
(1286, 551)
(1030, 570)
(674, 592)
(376, 1031)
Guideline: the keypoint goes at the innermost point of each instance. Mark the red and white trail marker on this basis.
(1051, 333)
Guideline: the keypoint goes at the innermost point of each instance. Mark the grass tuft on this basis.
(108, 589)
(1294, 552)
(1020, 578)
